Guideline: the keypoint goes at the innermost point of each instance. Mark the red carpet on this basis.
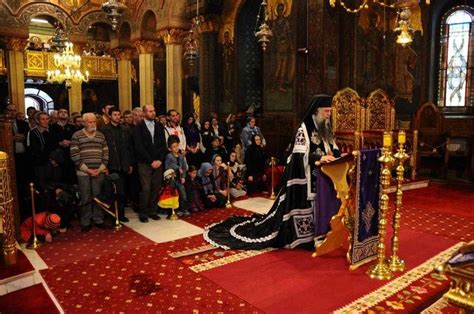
(22, 266)
(210, 216)
(143, 279)
(124, 271)
(33, 299)
(74, 246)
(291, 280)
(455, 199)
(440, 209)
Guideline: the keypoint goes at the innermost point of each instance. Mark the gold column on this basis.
(6, 211)
(174, 68)
(124, 66)
(145, 50)
(75, 97)
(16, 72)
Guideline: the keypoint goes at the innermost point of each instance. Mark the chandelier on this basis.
(191, 43)
(67, 67)
(264, 34)
(114, 10)
(404, 25)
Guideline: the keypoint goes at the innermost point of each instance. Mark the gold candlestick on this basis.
(381, 270)
(273, 160)
(228, 204)
(395, 262)
(34, 244)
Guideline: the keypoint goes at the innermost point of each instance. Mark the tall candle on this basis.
(387, 140)
(402, 137)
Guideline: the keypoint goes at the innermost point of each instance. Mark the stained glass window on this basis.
(455, 67)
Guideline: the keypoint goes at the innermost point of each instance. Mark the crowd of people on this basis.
(89, 161)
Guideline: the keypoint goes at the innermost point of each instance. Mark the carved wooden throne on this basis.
(348, 115)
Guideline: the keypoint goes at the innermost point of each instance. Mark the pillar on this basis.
(174, 68)
(75, 97)
(16, 72)
(145, 50)
(208, 65)
(124, 66)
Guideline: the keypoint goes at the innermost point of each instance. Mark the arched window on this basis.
(456, 60)
(38, 99)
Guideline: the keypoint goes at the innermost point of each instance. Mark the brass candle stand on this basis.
(228, 204)
(272, 162)
(395, 262)
(381, 270)
(173, 215)
(34, 244)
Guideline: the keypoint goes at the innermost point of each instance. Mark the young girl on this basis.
(219, 173)
(193, 190)
(237, 188)
(207, 134)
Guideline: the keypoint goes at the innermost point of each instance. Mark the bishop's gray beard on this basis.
(324, 129)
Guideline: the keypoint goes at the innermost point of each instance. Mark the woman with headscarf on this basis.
(207, 134)
(290, 221)
(210, 197)
(248, 131)
(255, 162)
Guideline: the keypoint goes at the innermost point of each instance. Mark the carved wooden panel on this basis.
(3, 65)
(380, 111)
(460, 126)
(347, 111)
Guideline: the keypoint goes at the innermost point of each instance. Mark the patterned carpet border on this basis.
(437, 307)
(189, 252)
(229, 259)
(366, 302)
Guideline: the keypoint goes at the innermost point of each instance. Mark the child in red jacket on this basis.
(45, 223)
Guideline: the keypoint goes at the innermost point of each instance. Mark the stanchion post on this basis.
(34, 244)
(117, 225)
(228, 204)
(273, 161)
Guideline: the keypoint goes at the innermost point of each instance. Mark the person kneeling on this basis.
(210, 197)
(45, 224)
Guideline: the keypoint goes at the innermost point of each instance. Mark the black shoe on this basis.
(154, 217)
(101, 226)
(124, 219)
(143, 219)
(85, 229)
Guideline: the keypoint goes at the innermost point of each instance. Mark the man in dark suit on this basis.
(150, 153)
(120, 155)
